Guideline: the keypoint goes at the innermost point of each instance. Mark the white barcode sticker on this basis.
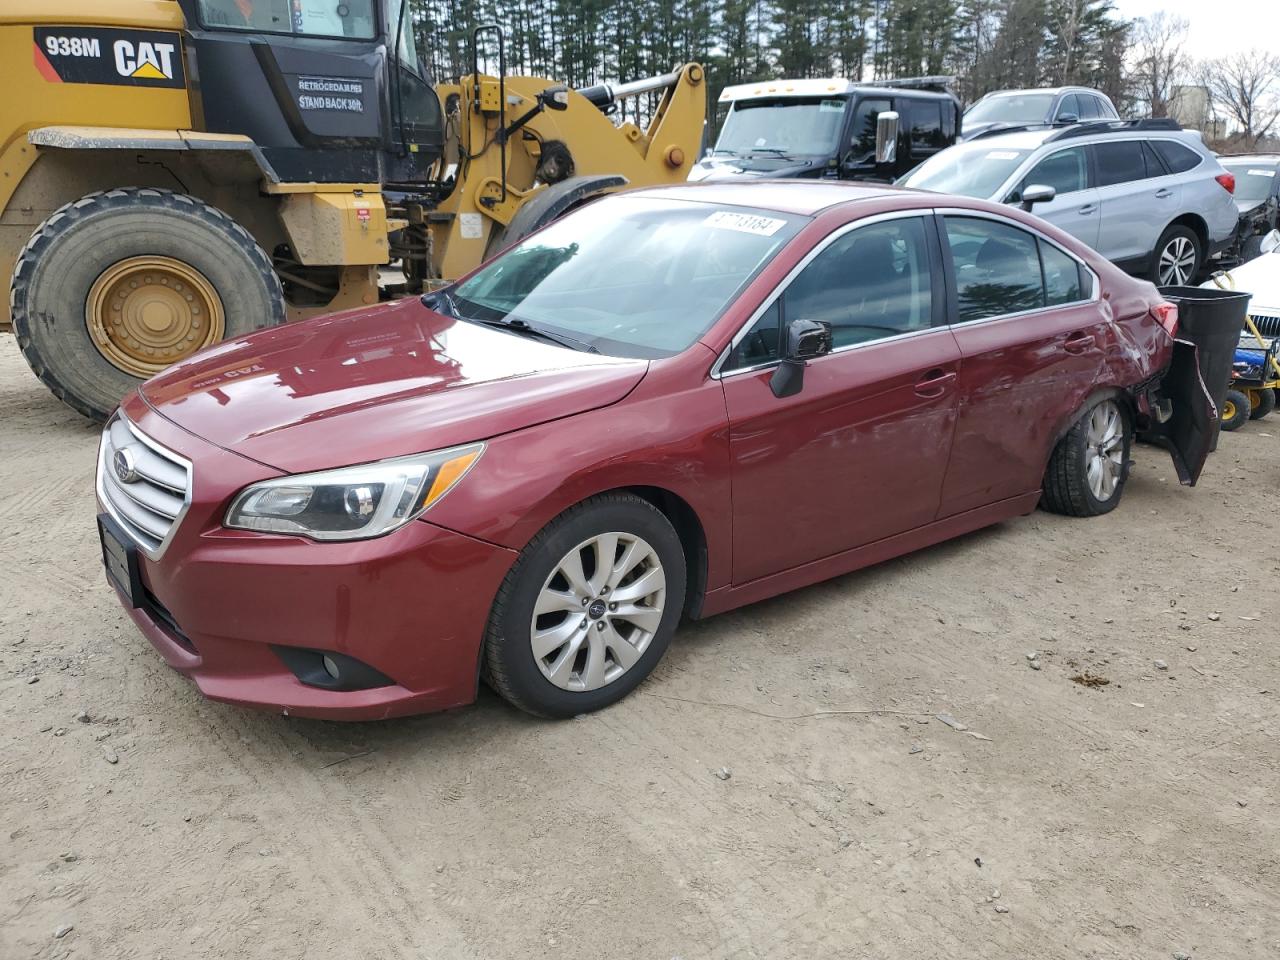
(1262, 173)
(745, 223)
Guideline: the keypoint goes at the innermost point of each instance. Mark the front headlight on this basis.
(352, 503)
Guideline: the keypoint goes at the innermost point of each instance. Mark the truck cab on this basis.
(831, 129)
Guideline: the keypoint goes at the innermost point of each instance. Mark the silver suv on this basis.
(1144, 193)
(1017, 108)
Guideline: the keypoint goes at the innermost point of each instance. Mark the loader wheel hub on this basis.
(145, 313)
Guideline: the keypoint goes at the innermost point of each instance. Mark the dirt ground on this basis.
(781, 788)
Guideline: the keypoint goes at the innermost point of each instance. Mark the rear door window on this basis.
(1062, 275)
(997, 268)
(1177, 158)
(1120, 161)
(925, 119)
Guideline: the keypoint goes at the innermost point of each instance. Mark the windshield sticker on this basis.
(745, 223)
(831, 106)
(1262, 173)
(1002, 155)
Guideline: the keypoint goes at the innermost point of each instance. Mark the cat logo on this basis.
(145, 61)
(109, 55)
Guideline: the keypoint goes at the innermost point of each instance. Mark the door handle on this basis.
(935, 383)
(1087, 208)
(1078, 342)
(1164, 193)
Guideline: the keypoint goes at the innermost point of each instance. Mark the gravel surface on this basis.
(893, 764)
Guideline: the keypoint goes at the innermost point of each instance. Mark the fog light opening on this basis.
(331, 668)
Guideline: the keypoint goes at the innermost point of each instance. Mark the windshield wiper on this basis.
(524, 328)
(778, 150)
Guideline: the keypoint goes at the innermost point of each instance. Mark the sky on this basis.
(1217, 29)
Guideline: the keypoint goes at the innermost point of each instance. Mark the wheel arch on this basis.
(692, 535)
(1197, 225)
(68, 167)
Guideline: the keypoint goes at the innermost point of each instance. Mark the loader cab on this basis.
(331, 91)
(830, 129)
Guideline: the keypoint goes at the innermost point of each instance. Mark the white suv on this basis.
(1145, 194)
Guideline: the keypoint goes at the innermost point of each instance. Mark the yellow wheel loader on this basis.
(176, 172)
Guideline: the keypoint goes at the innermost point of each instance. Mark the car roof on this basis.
(804, 197)
(1040, 135)
(818, 86)
(1053, 90)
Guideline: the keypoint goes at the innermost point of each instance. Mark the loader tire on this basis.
(118, 285)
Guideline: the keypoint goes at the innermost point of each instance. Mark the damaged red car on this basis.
(667, 404)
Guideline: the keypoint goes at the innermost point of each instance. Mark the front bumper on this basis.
(413, 605)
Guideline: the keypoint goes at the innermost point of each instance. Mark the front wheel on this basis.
(1089, 466)
(1235, 410)
(588, 609)
(1177, 257)
(116, 286)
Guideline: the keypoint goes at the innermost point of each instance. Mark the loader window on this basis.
(351, 19)
(628, 276)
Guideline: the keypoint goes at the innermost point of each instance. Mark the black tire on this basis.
(1171, 237)
(508, 663)
(69, 251)
(1235, 410)
(1066, 481)
(1262, 400)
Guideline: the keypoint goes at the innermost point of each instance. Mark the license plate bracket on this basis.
(120, 558)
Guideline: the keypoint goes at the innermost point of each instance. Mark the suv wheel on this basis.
(1177, 257)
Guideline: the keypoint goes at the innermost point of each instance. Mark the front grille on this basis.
(145, 487)
(1268, 324)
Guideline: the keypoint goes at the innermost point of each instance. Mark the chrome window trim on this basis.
(717, 367)
(161, 451)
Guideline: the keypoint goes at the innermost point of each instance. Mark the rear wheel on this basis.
(1262, 400)
(589, 608)
(1089, 466)
(116, 286)
(1235, 410)
(1177, 257)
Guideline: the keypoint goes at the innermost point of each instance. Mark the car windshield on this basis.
(627, 276)
(1010, 108)
(784, 126)
(970, 169)
(1253, 181)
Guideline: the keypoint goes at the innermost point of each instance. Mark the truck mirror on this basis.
(887, 137)
(1037, 193)
(555, 97)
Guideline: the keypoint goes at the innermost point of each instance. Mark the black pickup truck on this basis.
(831, 129)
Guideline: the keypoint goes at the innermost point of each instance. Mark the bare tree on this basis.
(1160, 60)
(1247, 88)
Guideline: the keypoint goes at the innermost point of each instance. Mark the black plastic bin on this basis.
(1213, 320)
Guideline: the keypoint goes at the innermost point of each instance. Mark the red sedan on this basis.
(667, 404)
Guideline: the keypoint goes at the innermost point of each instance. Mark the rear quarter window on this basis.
(1176, 157)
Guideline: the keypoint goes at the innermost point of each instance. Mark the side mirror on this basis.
(1037, 193)
(887, 137)
(555, 97)
(806, 340)
(1068, 118)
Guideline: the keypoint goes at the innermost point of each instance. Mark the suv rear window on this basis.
(1176, 157)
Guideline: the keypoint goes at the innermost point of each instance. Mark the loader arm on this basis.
(492, 183)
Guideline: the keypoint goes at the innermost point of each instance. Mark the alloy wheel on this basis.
(1177, 262)
(598, 611)
(1104, 450)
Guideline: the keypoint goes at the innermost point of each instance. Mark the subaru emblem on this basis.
(126, 465)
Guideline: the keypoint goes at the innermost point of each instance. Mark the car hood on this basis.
(738, 168)
(380, 382)
(1260, 277)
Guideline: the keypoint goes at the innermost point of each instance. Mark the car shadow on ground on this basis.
(491, 719)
